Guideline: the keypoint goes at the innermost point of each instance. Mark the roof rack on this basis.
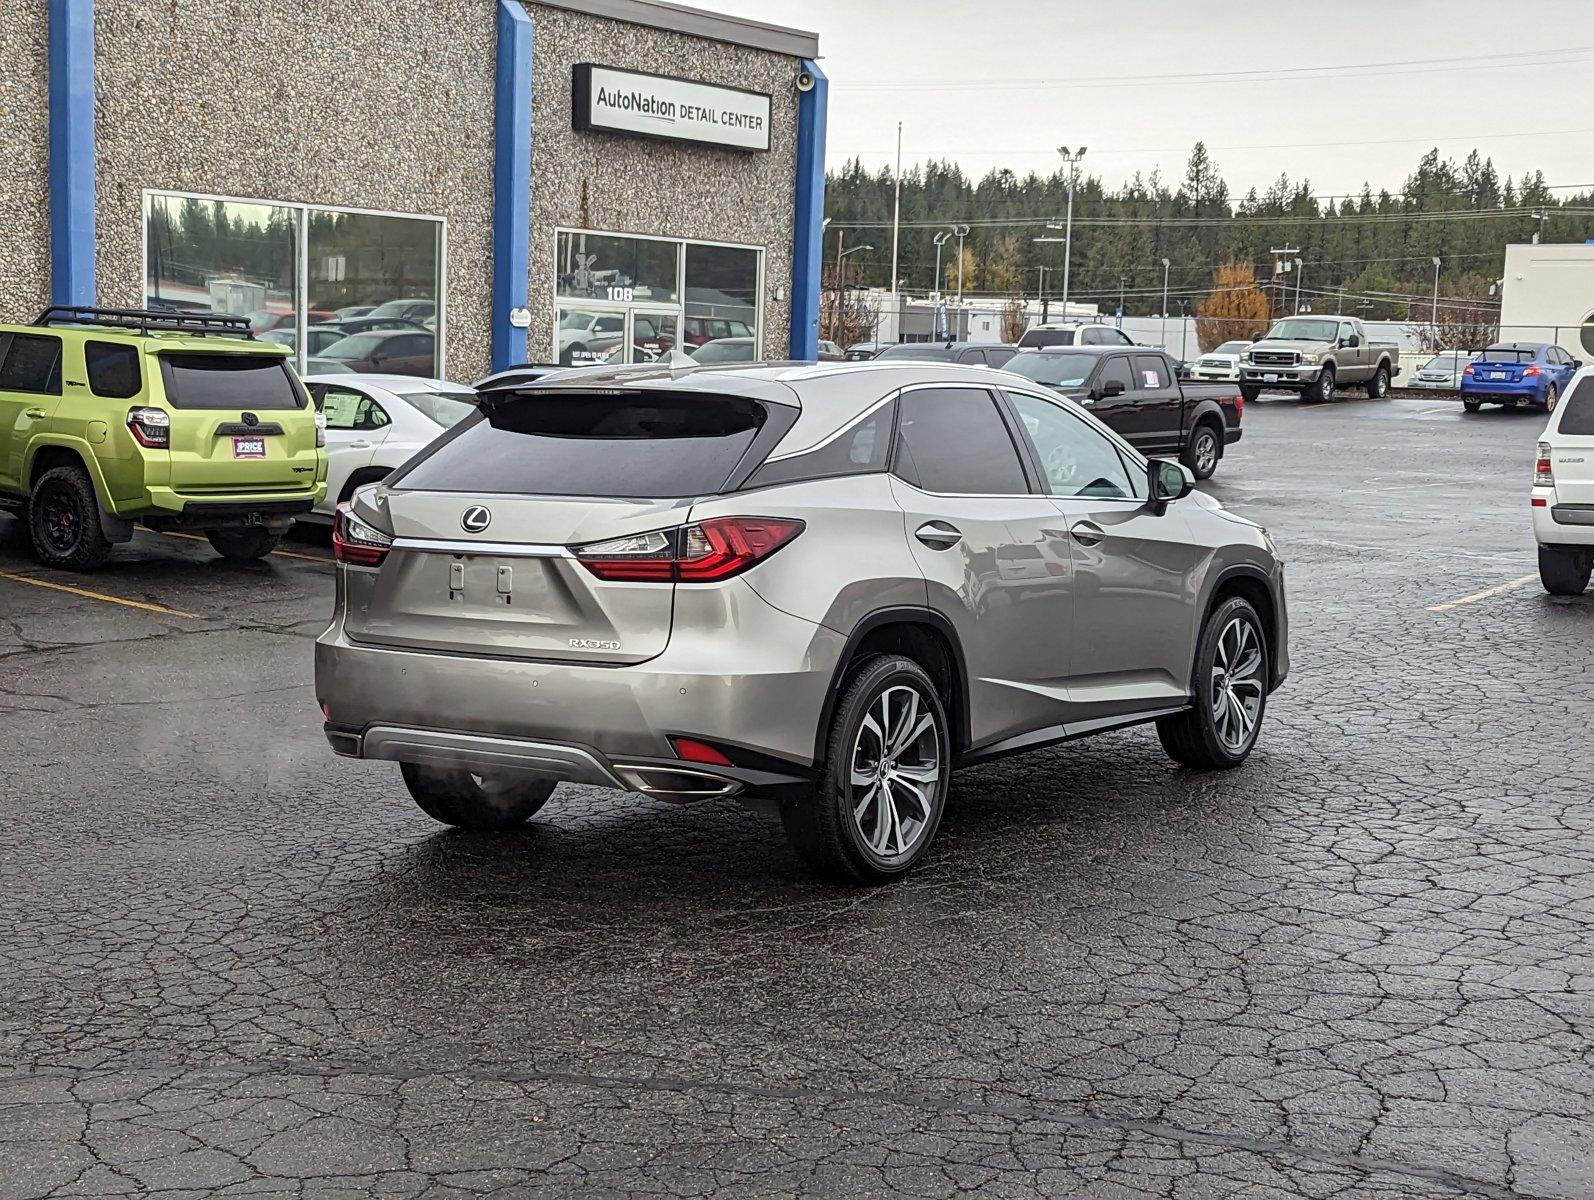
(149, 320)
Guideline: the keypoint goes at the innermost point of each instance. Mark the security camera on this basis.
(805, 81)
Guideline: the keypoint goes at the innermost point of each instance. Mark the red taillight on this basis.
(1540, 502)
(692, 750)
(150, 427)
(1239, 404)
(702, 553)
(356, 543)
(1467, 370)
(1543, 473)
(1529, 372)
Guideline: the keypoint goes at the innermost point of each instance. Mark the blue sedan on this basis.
(1513, 373)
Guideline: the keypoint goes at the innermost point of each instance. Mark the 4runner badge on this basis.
(476, 519)
(592, 644)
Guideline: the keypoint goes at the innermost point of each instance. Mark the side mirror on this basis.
(1113, 387)
(1577, 364)
(1167, 481)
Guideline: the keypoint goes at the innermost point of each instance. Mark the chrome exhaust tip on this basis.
(676, 783)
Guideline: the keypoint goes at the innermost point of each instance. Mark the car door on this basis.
(1112, 396)
(1351, 355)
(30, 392)
(356, 426)
(993, 551)
(1154, 415)
(1133, 567)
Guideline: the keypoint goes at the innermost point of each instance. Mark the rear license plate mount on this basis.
(249, 447)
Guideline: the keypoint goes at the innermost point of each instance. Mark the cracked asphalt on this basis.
(1361, 966)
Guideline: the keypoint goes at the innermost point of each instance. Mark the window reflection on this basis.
(601, 266)
(223, 256)
(374, 280)
(721, 293)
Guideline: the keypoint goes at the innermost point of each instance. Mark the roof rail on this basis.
(149, 320)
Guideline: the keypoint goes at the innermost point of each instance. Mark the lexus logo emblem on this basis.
(476, 519)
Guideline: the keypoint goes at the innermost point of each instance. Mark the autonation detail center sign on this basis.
(679, 110)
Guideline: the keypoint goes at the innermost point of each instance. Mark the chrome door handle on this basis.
(359, 445)
(938, 535)
(36, 413)
(1086, 402)
(1088, 534)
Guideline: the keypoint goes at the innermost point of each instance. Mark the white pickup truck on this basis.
(1314, 355)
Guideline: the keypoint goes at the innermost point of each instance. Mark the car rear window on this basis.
(1577, 418)
(1509, 354)
(252, 381)
(649, 446)
(1046, 337)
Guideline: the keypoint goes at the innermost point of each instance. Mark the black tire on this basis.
(1249, 393)
(244, 545)
(822, 825)
(1193, 738)
(1378, 385)
(1564, 571)
(484, 803)
(1472, 406)
(1202, 452)
(64, 520)
(1322, 389)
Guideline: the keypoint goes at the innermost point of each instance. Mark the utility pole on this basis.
(940, 240)
(1164, 304)
(896, 213)
(1040, 293)
(1281, 258)
(1123, 282)
(1068, 224)
(960, 232)
(1297, 287)
(1045, 306)
(1433, 323)
(1541, 217)
(1184, 331)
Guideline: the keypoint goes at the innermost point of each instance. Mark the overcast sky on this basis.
(976, 81)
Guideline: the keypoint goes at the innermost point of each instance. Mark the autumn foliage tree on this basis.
(1235, 308)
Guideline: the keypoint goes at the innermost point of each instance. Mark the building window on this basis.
(347, 290)
(622, 299)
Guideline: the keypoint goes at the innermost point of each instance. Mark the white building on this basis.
(1549, 296)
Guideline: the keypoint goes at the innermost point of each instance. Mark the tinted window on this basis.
(250, 381)
(1577, 417)
(932, 350)
(998, 356)
(1047, 337)
(1058, 370)
(1151, 373)
(1076, 459)
(1116, 337)
(32, 364)
(584, 445)
(1509, 354)
(1117, 367)
(953, 440)
(113, 370)
(861, 449)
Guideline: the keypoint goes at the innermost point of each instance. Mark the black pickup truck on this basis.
(1137, 391)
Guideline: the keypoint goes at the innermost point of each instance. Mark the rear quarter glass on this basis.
(257, 382)
(1577, 410)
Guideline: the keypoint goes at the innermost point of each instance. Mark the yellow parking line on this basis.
(88, 595)
(1483, 595)
(195, 537)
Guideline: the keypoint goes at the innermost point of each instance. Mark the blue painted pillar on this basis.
(511, 182)
(808, 238)
(71, 182)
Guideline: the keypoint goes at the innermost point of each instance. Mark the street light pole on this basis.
(896, 212)
(1541, 217)
(1297, 287)
(1433, 323)
(1068, 227)
(960, 232)
(1164, 304)
(940, 240)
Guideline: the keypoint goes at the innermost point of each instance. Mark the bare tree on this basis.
(1468, 325)
(1015, 320)
(846, 316)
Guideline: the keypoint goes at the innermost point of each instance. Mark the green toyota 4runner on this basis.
(177, 421)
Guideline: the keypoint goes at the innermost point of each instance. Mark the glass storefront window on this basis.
(721, 293)
(346, 290)
(620, 270)
(223, 256)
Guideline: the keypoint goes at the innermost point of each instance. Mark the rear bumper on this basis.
(169, 508)
(1562, 524)
(1232, 434)
(755, 689)
(1531, 390)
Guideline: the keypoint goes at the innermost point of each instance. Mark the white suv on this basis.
(1563, 491)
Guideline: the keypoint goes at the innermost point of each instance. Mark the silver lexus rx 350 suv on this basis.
(823, 587)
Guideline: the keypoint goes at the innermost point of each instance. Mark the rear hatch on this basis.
(547, 471)
(241, 422)
(1572, 446)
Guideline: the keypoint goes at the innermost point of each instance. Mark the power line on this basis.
(1163, 222)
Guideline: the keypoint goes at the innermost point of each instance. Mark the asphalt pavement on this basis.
(1360, 966)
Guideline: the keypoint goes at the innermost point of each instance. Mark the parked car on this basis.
(803, 584)
(350, 326)
(698, 330)
(1138, 394)
(579, 330)
(377, 422)
(417, 310)
(863, 351)
(317, 337)
(380, 352)
(1513, 373)
(1563, 491)
(1073, 333)
(353, 310)
(830, 352)
(1315, 355)
(973, 354)
(1442, 372)
(264, 321)
(1222, 363)
(725, 350)
(175, 421)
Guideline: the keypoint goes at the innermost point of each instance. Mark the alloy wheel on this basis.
(1237, 684)
(58, 518)
(894, 772)
(1206, 453)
